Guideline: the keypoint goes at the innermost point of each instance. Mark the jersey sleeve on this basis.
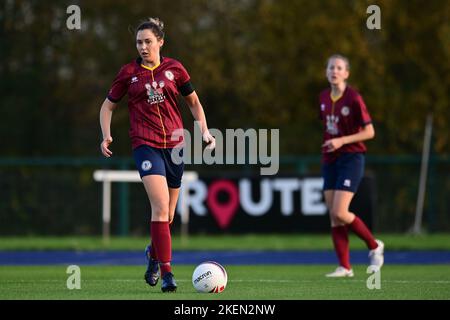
(361, 112)
(119, 86)
(183, 81)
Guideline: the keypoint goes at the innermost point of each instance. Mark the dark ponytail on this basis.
(153, 24)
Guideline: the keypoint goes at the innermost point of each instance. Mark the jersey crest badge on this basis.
(169, 75)
(345, 111)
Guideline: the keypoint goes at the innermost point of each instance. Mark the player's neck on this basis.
(338, 90)
(152, 64)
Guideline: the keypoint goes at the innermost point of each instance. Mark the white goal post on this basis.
(109, 176)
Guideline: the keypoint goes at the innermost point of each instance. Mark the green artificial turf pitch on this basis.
(255, 282)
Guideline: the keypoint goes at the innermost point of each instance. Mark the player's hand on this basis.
(209, 139)
(171, 216)
(104, 146)
(333, 144)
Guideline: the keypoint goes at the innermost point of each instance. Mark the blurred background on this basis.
(255, 64)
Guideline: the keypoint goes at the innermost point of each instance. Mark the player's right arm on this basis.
(105, 123)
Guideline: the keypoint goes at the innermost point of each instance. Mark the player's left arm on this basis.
(199, 115)
(367, 132)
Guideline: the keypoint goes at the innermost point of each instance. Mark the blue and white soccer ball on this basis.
(209, 277)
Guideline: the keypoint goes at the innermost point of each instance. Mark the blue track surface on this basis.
(225, 257)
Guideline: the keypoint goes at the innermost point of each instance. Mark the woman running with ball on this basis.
(153, 84)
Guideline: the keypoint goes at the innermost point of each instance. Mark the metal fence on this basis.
(58, 196)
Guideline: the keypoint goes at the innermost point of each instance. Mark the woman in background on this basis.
(346, 124)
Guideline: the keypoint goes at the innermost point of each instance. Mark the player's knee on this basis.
(334, 222)
(339, 216)
(160, 212)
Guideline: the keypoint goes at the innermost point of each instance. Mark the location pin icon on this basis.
(223, 212)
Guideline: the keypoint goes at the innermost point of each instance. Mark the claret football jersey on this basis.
(152, 100)
(344, 116)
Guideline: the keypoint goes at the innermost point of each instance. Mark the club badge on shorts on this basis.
(146, 165)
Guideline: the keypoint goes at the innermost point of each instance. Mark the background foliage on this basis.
(253, 63)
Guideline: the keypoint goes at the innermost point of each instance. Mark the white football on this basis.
(209, 277)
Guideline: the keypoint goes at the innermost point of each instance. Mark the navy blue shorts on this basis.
(157, 161)
(345, 173)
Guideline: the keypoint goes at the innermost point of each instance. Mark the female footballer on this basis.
(153, 83)
(347, 124)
